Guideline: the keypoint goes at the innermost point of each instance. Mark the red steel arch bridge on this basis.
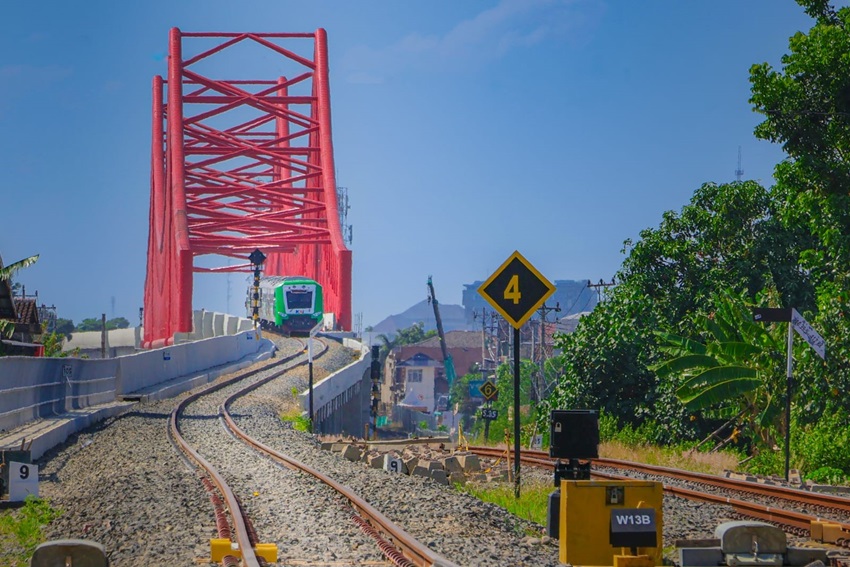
(239, 164)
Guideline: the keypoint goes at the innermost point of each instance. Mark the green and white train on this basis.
(290, 304)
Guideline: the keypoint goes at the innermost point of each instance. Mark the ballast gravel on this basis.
(122, 484)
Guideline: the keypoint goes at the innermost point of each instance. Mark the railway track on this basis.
(788, 508)
(232, 518)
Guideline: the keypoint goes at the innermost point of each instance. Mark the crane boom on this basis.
(448, 363)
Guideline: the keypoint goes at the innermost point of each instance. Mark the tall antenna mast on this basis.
(739, 172)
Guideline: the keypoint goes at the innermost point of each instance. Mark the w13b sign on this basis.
(633, 527)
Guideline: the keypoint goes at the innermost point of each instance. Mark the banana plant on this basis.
(738, 366)
(6, 273)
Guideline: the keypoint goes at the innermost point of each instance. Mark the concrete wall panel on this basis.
(218, 324)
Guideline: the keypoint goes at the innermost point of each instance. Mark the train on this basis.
(292, 305)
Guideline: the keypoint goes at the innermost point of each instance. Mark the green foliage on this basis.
(608, 427)
(53, 344)
(460, 393)
(767, 461)
(807, 109)
(532, 504)
(827, 475)
(64, 327)
(726, 238)
(737, 366)
(92, 324)
(411, 335)
(299, 421)
(806, 105)
(21, 530)
(824, 444)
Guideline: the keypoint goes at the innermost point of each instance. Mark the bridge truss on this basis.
(241, 164)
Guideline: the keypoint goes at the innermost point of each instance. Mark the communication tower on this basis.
(739, 173)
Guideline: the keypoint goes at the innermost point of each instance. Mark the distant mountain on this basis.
(453, 317)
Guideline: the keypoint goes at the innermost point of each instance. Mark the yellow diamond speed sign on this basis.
(489, 390)
(516, 289)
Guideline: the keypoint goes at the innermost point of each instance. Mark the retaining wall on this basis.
(341, 400)
(32, 388)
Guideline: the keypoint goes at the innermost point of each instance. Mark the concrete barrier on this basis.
(341, 400)
(35, 388)
(30, 388)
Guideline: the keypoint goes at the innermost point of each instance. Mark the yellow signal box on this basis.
(593, 514)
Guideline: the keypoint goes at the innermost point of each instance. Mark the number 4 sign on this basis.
(516, 289)
(23, 480)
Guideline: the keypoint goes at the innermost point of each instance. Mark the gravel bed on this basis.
(122, 484)
(307, 520)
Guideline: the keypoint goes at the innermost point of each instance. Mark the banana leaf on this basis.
(683, 363)
(7, 272)
(678, 345)
(734, 351)
(717, 385)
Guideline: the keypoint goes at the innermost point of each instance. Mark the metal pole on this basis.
(516, 413)
(310, 367)
(788, 401)
(103, 335)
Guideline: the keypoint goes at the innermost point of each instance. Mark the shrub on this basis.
(823, 445)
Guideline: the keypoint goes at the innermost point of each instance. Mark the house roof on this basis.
(418, 359)
(455, 339)
(27, 311)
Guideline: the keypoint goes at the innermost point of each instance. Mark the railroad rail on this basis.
(794, 522)
(207, 471)
(395, 543)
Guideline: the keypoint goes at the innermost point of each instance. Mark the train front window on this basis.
(299, 299)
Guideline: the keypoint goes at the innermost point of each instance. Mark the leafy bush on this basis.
(767, 462)
(827, 475)
(823, 445)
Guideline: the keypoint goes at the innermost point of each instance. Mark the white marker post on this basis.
(23, 481)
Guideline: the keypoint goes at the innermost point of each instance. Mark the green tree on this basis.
(737, 368)
(727, 238)
(806, 105)
(118, 323)
(411, 335)
(64, 326)
(89, 324)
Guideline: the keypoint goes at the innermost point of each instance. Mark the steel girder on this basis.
(239, 165)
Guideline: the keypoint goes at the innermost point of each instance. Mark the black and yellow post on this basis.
(257, 258)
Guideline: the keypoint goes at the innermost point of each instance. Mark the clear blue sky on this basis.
(462, 130)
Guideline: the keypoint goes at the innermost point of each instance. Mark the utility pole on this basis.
(599, 287)
(543, 354)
